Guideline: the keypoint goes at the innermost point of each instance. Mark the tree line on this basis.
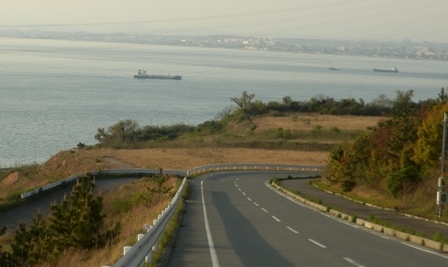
(399, 154)
(129, 134)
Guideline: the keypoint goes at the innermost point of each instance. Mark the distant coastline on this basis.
(384, 49)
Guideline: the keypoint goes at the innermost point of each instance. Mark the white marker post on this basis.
(441, 195)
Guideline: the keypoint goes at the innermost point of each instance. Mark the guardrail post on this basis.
(126, 249)
(148, 258)
(140, 236)
(147, 227)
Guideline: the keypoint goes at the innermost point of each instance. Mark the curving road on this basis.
(235, 219)
(24, 213)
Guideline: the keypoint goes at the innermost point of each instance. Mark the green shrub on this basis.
(335, 130)
(439, 237)
(347, 185)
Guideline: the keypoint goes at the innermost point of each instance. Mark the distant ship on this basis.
(381, 70)
(142, 75)
(333, 68)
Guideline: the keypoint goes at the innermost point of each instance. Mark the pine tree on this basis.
(79, 221)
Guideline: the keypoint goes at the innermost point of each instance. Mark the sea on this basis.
(55, 94)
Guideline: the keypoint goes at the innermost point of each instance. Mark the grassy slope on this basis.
(182, 156)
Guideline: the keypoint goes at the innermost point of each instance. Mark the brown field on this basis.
(184, 159)
(309, 121)
(72, 162)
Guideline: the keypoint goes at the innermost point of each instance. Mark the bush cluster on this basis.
(77, 222)
(398, 154)
(128, 134)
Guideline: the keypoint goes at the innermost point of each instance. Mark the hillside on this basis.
(183, 155)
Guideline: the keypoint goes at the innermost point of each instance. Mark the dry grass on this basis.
(309, 121)
(62, 165)
(68, 163)
(184, 159)
(73, 162)
(132, 220)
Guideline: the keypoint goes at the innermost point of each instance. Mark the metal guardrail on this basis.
(197, 170)
(49, 186)
(104, 172)
(142, 250)
(261, 167)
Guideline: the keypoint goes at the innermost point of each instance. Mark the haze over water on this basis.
(55, 94)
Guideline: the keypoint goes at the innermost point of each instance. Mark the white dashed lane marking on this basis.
(317, 243)
(275, 218)
(353, 262)
(292, 230)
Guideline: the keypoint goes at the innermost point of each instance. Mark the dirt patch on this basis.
(117, 164)
(184, 158)
(10, 180)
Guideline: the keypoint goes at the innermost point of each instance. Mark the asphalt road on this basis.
(251, 225)
(25, 213)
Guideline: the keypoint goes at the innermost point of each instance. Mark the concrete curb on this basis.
(372, 226)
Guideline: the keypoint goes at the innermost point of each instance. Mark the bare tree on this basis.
(244, 101)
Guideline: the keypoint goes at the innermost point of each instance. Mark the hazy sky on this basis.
(339, 19)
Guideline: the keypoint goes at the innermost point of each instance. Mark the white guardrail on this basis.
(141, 252)
(104, 172)
(246, 167)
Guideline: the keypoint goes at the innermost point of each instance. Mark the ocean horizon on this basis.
(56, 94)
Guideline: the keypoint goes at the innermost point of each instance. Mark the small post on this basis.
(442, 167)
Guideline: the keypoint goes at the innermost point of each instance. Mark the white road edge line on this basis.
(292, 230)
(424, 250)
(353, 262)
(287, 197)
(275, 218)
(317, 243)
(331, 217)
(211, 245)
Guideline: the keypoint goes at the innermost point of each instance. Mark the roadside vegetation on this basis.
(384, 152)
(399, 159)
(238, 126)
(81, 231)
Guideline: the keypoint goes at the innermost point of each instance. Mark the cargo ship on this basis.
(382, 70)
(143, 75)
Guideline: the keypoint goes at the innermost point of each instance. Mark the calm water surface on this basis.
(55, 94)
